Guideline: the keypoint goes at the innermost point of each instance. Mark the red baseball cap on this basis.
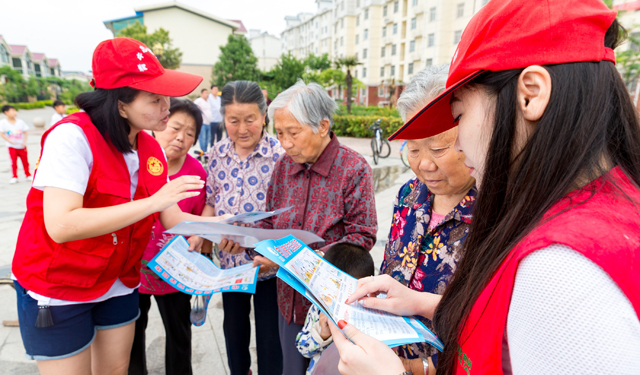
(126, 62)
(515, 34)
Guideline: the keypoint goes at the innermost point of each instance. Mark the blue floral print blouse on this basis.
(421, 258)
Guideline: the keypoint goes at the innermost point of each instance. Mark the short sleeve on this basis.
(568, 316)
(23, 126)
(66, 160)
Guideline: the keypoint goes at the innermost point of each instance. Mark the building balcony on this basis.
(416, 33)
(386, 60)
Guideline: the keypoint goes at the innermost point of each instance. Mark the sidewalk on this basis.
(209, 351)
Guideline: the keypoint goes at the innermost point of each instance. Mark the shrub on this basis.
(72, 109)
(358, 126)
(369, 111)
(28, 105)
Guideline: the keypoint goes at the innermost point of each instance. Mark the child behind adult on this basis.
(61, 111)
(15, 132)
(315, 335)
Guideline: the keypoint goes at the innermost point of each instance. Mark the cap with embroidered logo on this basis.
(515, 34)
(126, 62)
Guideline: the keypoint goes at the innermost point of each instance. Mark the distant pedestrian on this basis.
(265, 93)
(61, 112)
(205, 108)
(216, 116)
(15, 131)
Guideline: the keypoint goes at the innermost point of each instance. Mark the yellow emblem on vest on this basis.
(154, 166)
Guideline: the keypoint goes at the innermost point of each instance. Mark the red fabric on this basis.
(333, 199)
(21, 153)
(580, 221)
(126, 62)
(83, 270)
(510, 34)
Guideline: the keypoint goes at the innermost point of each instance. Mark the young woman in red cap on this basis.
(100, 184)
(550, 278)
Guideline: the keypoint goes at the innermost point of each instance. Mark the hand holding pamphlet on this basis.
(327, 287)
(192, 273)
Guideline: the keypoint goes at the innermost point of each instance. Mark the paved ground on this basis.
(209, 352)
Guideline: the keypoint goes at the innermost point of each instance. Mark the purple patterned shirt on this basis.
(235, 186)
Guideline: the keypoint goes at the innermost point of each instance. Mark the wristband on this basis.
(407, 373)
(425, 363)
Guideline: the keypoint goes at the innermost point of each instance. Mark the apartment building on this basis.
(309, 33)
(393, 39)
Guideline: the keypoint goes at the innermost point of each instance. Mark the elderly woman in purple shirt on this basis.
(330, 188)
(238, 175)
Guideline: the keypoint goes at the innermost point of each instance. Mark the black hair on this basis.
(588, 126)
(243, 92)
(189, 108)
(352, 259)
(102, 107)
(203, 90)
(58, 103)
(7, 107)
(212, 86)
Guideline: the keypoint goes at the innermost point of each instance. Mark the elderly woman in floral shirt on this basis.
(238, 176)
(330, 188)
(432, 213)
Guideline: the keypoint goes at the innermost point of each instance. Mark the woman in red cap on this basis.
(549, 282)
(100, 184)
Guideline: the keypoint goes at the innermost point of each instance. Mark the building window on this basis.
(382, 72)
(366, 34)
(393, 70)
(366, 14)
(342, 5)
(456, 36)
(335, 28)
(358, 20)
(382, 52)
(429, 62)
(364, 53)
(4, 55)
(414, 3)
(356, 55)
(431, 40)
(412, 46)
(393, 50)
(414, 23)
(364, 73)
(432, 14)
(16, 62)
(384, 31)
(396, 6)
(357, 38)
(384, 11)
(341, 41)
(342, 22)
(395, 28)
(53, 71)
(335, 45)
(410, 69)
(460, 10)
(358, 3)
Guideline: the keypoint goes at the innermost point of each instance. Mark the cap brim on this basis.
(435, 117)
(170, 83)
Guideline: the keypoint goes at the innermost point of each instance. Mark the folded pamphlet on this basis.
(252, 217)
(327, 287)
(192, 273)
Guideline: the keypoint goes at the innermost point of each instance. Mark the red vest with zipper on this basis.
(585, 225)
(84, 270)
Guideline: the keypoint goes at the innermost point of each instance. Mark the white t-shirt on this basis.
(55, 118)
(205, 109)
(15, 132)
(215, 103)
(66, 163)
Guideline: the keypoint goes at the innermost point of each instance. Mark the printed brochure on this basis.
(192, 273)
(327, 287)
(252, 217)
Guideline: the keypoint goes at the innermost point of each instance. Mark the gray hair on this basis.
(424, 87)
(308, 104)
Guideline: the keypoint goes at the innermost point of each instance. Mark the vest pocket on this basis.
(80, 263)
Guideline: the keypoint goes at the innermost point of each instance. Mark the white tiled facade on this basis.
(392, 38)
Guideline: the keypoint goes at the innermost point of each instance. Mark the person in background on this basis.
(266, 119)
(432, 212)
(239, 172)
(15, 132)
(183, 128)
(330, 188)
(205, 109)
(216, 115)
(61, 110)
(315, 335)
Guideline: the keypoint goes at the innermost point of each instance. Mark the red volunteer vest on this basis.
(585, 228)
(85, 269)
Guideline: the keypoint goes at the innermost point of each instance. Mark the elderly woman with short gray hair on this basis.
(432, 214)
(330, 188)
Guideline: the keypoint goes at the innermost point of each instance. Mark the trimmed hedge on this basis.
(358, 126)
(28, 105)
(358, 110)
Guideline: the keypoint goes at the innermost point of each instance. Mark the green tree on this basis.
(170, 58)
(349, 63)
(13, 90)
(287, 71)
(236, 62)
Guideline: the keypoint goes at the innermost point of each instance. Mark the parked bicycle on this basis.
(202, 157)
(379, 145)
(404, 152)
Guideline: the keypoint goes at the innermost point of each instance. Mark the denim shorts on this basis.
(74, 326)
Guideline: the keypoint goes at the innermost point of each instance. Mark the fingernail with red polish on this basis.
(342, 324)
(346, 301)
